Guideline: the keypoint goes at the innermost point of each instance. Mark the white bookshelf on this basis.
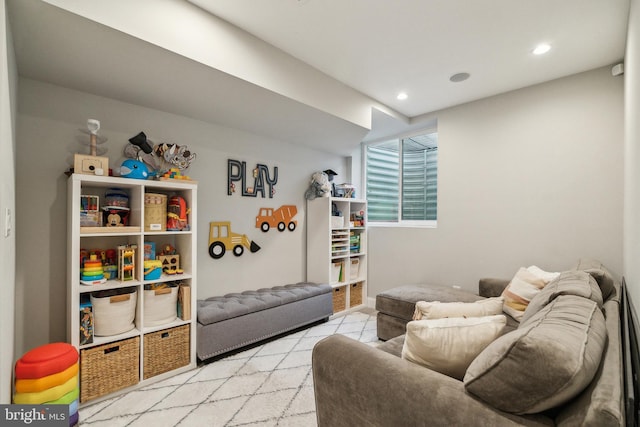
(134, 234)
(337, 249)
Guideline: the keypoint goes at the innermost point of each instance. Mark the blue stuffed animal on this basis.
(134, 169)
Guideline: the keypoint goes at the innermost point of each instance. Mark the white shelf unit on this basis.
(337, 249)
(90, 238)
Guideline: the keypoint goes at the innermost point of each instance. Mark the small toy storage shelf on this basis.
(336, 248)
(132, 283)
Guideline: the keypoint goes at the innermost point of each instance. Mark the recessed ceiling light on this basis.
(459, 77)
(402, 96)
(541, 49)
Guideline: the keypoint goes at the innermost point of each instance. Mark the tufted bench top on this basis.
(217, 309)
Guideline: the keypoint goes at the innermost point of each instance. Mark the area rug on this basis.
(267, 385)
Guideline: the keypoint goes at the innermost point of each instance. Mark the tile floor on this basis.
(268, 385)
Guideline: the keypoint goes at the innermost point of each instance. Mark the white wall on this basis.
(632, 156)
(8, 85)
(49, 120)
(533, 176)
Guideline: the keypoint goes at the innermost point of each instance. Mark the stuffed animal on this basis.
(319, 186)
(159, 158)
(175, 155)
(134, 169)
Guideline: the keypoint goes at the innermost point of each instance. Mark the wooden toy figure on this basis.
(127, 262)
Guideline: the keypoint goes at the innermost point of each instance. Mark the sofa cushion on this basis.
(575, 282)
(439, 310)
(599, 272)
(393, 346)
(448, 345)
(523, 287)
(544, 363)
(401, 301)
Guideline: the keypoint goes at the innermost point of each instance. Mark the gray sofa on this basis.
(233, 321)
(358, 384)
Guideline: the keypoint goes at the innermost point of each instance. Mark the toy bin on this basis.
(355, 294)
(109, 367)
(339, 298)
(114, 311)
(155, 212)
(160, 304)
(166, 350)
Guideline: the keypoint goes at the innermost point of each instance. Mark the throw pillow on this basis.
(574, 282)
(439, 310)
(544, 363)
(449, 345)
(523, 287)
(547, 276)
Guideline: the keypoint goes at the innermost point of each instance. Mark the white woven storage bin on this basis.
(160, 306)
(114, 315)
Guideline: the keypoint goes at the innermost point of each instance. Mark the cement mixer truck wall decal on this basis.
(281, 218)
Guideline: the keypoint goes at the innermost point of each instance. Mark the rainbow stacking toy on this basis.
(92, 273)
(49, 375)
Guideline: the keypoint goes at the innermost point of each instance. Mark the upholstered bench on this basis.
(236, 320)
(396, 306)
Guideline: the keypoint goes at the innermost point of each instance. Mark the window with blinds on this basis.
(401, 179)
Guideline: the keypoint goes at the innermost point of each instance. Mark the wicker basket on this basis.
(155, 212)
(339, 298)
(166, 350)
(355, 294)
(109, 367)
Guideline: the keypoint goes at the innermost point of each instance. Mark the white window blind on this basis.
(409, 186)
(383, 189)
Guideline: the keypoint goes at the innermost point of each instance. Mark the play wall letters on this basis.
(237, 171)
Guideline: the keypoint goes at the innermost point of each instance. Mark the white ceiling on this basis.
(377, 47)
(382, 47)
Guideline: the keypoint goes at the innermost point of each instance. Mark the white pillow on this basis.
(526, 284)
(449, 345)
(439, 310)
(547, 276)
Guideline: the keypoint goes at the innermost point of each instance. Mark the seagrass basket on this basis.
(165, 350)
(155, 212)
(109, 367)
(339, 298)
(355, 294)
